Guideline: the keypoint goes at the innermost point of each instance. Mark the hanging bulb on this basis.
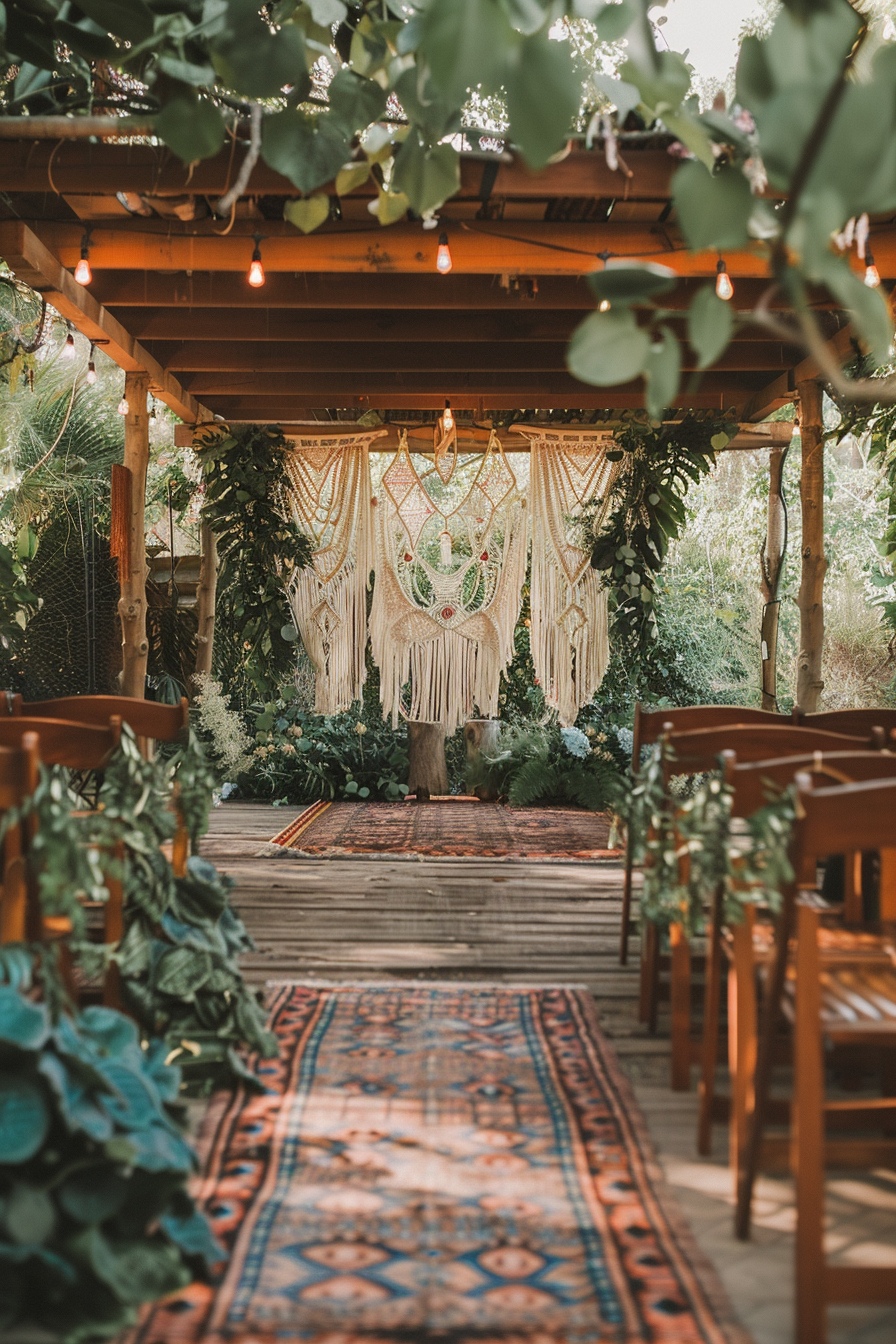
(448, 417)
(91, 366)
(872, 274)
(68, 350)
(724, 287)
(256, 270)
(443, 260)
(123, 406)
(83, 273)
(603, 306)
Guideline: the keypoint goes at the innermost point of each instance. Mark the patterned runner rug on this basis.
(449, 828)
(451, 1164)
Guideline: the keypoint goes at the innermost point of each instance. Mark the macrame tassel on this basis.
(120, 539)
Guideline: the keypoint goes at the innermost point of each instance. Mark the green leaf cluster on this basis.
(545, 763)
(95, 1213)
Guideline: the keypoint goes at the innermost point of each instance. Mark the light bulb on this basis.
(872, 274)
(256, 270)
(448, 418)
(91, 373)
(68, 350)
(603, 306)
(724, 287)
(83, 273)
(123, 406)
(443, 260)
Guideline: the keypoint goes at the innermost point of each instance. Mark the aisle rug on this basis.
(449, 828)
(460, 1164)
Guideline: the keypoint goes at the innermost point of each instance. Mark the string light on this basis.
(256, 270)
(448, 417)
(872, 274)
(83, 273)
(91, 366)
(68, 350)
(443, 259)
(724, 287)
(123, 406)
(603, 306)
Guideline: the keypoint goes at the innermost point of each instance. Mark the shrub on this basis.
(544, 763)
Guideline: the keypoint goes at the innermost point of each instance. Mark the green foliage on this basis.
(17, 600)
(259, 545)
(95, 1213)
(544, 763)
(302, 756)
(657, 467)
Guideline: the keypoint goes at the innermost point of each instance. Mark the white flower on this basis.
(261, 752)
(589, 731)
(294, 731)
(360, 729)
(288, 749)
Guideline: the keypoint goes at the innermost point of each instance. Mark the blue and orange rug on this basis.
(440, 1163)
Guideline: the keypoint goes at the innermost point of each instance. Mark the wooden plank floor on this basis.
(479, 919)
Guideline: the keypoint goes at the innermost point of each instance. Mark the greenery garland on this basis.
(658, 464)
(259, 545)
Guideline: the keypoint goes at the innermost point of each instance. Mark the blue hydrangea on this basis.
(575, 742)
(626, 738)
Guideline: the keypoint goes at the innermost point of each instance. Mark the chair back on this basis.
(699, 750)
(79, 746)
(843, 818)
(755, 783)
(650, 723)
(145, 718)
(853, 721)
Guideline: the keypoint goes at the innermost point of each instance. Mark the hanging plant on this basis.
(658, 464)
(259, 545)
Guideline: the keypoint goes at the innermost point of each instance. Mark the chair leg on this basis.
(811, 1306)
(680, 993)
(648, 994)
(626, 904)
(712, 998)
(742, 1040)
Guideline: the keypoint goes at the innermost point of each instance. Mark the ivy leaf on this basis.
(542, 97)
(713, 210)
(193, 128)
(662, 372)
(710, 325)
(426, 176)
(309, 151)
(607, 349)
(307, 214)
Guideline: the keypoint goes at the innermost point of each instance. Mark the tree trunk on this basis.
(428, 769)
(774, 549)
(809, 683)
(132, 603)
(205, 599)
(481, 735)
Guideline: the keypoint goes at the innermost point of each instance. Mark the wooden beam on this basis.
(484, 248)
(219, 365)
(783, 389)
(34, 264)
(149, 170)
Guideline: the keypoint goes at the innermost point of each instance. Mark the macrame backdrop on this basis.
(449, 578)
(568, 634)
(330, 499)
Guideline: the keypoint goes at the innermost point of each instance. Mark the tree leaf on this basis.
(93, 1194)
(663, 87)
(607, 349)
(710, 325)
(527, 16)
(713, 210)
(465, 43)
(352, 176)
(22, 1023)
(24, 1117)
(626, 282)
(327, 12)
(542, 97)
(623, 95)
(130, 19)
(355, 102)
(662, 371)
(29, 1215)
(307, 215)
(193, 128)
(426, 176)
(867, 308)
(307, 150)
(255, 61)
(611, 21)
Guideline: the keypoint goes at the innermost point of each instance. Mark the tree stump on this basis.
(428, 768)
(481, 735)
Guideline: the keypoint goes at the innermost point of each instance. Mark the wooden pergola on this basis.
(355, 318)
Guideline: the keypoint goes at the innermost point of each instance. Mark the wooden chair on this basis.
(853, 1004)
(858, 721)
(647, 728)
(20, 916)
(78, 746)
(147, 719)
(696, 752)
(747, 945)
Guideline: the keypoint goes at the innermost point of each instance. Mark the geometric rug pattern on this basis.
(449, 828)
(440, 1163)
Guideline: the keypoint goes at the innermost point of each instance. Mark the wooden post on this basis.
(481, 735)
(809, 684)
(774, 549)
(132, 604)
(205, 599)
(428, 768)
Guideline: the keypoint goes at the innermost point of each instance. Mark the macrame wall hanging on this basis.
(569, 630)
(330, 498)
(450, 566)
